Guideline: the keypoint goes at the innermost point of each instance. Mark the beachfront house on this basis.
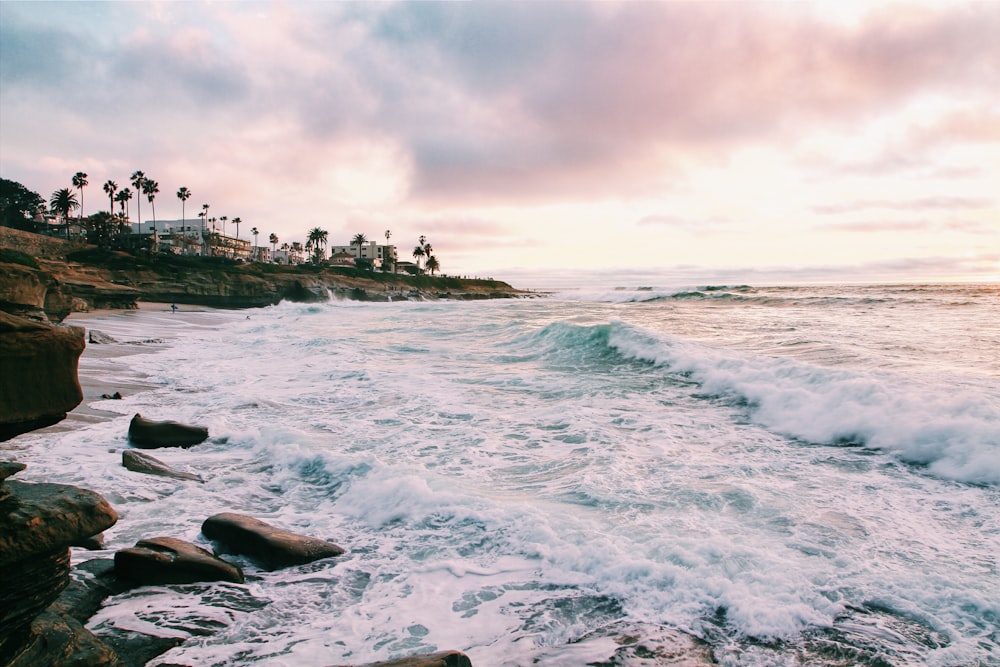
(371, 253)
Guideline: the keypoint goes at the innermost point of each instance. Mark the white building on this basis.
(378, 254)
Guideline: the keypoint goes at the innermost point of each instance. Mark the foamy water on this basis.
(791, 475)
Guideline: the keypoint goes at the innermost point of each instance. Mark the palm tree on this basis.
(63, 201)
(237, 222)
(386, 260)
(418, 252)
(432, 264)
(123, 198)
(80, 182)
(274, 241)
(428, 250)
(296, 250)
(359, 240)
(204, 216)
(110, 188)
(150, 188)
(255, 232)
(138, 179)
(183, 194)
(318, 238)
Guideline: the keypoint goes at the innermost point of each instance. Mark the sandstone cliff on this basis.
(38, 383)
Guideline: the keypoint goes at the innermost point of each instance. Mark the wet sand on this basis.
(104, 368)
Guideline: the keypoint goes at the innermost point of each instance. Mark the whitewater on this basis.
(734, 475)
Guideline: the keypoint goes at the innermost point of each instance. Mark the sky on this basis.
(680, 141)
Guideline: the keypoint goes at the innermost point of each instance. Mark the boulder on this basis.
(96, 337)
(38, 522)
(439, 659)
(137, 461)
(270, 547)
(38, 373)
(58, 641)
(149, 434)
(168, 560)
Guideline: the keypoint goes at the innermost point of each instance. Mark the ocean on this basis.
(621, 475)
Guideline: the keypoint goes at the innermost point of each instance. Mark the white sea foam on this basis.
(510, 478)
(955, 432)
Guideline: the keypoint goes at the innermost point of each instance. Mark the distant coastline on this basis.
(61, 277)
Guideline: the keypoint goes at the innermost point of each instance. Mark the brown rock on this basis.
(137, 461)
(439, 659)
(38, 373)
(168, 560)
(38, 522)
(57, 641)
(271, 547)
(150, 434)
(39, 518)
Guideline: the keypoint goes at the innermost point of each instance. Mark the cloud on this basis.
(693, 225)
(920, 204)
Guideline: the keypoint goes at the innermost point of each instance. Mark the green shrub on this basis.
(17, 257)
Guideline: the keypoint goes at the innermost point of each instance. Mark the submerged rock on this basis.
(150, 434)
(271, 547)
(38, 373)
(168, 560)
(141, 462)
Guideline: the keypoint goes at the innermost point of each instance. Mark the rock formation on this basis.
(38, 523)
(439, 659)
(46, 355)
(141, 462)
(149, 434)
(271, 547)
(168, 560)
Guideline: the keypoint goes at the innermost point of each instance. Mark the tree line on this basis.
(19, 206)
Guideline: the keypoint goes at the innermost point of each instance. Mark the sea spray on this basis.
(792, 477)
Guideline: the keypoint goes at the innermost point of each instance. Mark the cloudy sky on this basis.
(704, 140)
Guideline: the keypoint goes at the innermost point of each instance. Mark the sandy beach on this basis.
(104, 368)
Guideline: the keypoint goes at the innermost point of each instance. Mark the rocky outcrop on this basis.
(38, 523)
(266, 545)
(148, 465)
(38, 373)
(150, 434)
(168, 560)
(46, 294)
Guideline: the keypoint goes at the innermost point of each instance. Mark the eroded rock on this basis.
(38, 523)
(266, 545)
(150, 434)
(168, 560)
(38, 373)
(137, 461)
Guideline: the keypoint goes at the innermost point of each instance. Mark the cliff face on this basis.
(38, 383)
(71, 278)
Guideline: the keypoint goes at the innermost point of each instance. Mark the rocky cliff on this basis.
(38, 380)
(58, 279)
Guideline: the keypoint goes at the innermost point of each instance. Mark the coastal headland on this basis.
(45, 274)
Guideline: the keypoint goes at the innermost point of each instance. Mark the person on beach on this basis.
(173, 308)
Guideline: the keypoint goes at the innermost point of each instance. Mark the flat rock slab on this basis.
(150, 434)
(168, 560)
(137, 461)
(271, 547)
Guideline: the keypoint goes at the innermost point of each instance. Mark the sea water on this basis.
(783, 476)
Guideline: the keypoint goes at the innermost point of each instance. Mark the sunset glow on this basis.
(776, 141)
